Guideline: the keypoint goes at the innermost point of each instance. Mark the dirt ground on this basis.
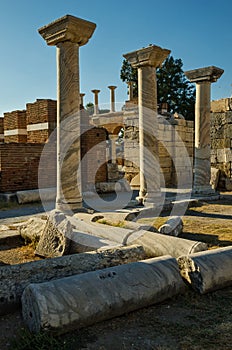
(186, 322)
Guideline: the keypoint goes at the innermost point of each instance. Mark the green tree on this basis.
(128, 73)
(90, 109)
(172, 86)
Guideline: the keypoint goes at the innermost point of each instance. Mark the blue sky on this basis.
(198, 32)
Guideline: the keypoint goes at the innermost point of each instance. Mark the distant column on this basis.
(68, 34)
(96, 109)
(82, 100)
(203, 77)
(147, 60)
(112, 97)
(130, 90)
(113, 139)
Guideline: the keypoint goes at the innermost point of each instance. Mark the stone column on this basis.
(113, 139)
(203, 77)
(147, 60)
(112, 98)
(130, 90)
(96, 109)
(68, 34)
(82, 100)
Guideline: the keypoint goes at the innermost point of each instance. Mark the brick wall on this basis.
(1, 129)
(175, 138)
(221, 139)
(93, 154)
(19, 167)
(41, 120)
(15, 126)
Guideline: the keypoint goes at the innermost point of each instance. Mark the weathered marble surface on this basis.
(32, 230)
(207, 271)
(147, 60)
(56, 237)
(173, 226)
(78, 301)
(15, 278)
(68, 28)
(203, 77)
(30, 196)
(68, 34)
(155, 244)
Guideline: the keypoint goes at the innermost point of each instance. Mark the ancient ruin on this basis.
(90, 272)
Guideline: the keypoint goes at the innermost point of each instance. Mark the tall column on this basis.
(68, 34)
(82, 100)
(112, 97)
(203, 77)
(96, 109)
(147, 60)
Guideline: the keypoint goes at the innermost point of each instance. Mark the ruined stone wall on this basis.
(1, 129)
(19, 166)
(221, 139)
(15, 126)
(31, 129)
(93, 155)
(173, 136)
(41, 120)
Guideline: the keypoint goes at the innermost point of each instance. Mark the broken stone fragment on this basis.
(215, 174)
(32, 230)
(56, 237)
(172, 227)
(207, 271)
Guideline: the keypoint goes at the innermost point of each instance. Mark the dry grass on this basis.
(186, 322)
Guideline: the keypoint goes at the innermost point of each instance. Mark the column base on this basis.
(69, 208)
(203, 190)
(152, 200)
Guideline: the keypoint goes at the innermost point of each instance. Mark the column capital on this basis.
(112, 87)
(96, 91)
(149, 56)
(210, 74)
(67, 28)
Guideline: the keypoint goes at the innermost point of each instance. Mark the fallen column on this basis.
(82, 236)
(173, 226)
(15, 278)
(78, 301)
(83, 242)
(207, 271)
(59, 237)
(156, 244)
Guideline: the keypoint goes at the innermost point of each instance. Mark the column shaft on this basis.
(148, 127)
(68, 127)
(112, 98)
(96, 108)
(113, 139)
(130, 90)
(203, 77)
(202, 136)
